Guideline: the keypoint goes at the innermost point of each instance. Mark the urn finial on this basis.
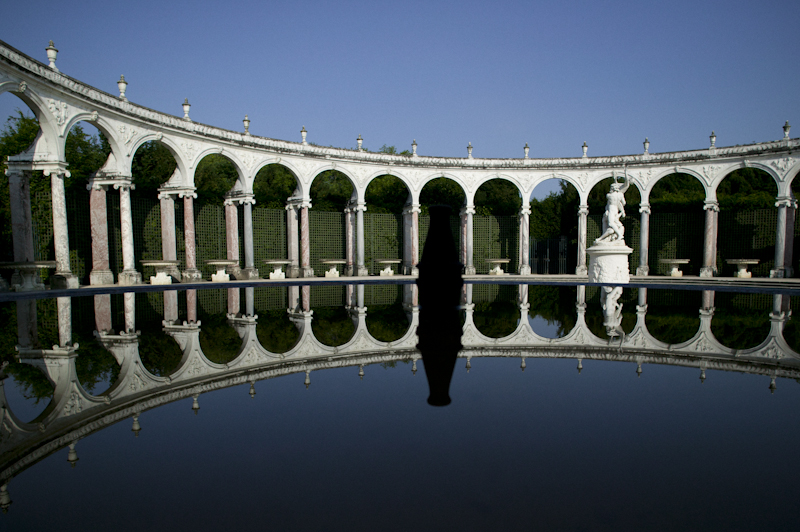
(52, 53)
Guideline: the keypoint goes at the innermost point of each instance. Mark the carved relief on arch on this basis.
(782, 166)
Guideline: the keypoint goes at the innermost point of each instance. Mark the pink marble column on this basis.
(306, 298)
(98, 220)
(128, 276)
(191, 273)
(169, 247)
(233, 302)
(784, 231)
(644, 239)
(292, 241)
(102, 313)
(415, 240)
(411, 239)
(232, 235)
(305, 243)
(463, 220)
(789, 256)
(64, 278)
(191, 306)
(294, 298)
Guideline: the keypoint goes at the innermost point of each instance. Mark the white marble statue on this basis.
(613, 230)
(612, 311)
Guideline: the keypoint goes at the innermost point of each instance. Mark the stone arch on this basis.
(554, 226)
(274, 187)
(676, 202)
(748, 218)
(49, 129)
(596, 200)
(387, 222)
(173, 147)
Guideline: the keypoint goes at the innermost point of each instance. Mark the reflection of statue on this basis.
(613, 230)
(612, 310)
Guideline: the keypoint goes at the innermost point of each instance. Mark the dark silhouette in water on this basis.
(440, 286)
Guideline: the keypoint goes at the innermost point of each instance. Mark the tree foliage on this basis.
(331, 191)
(214, 177)
(387, 194)
(442, 191)
(498, 197)
(153, 164)
(274, 184)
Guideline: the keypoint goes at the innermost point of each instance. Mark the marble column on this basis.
(293, 294)
(64, 278)
(709, 268)
(64, 311)
(128, 276)
(233, 302)
(27, 330)
(467, 234)
(411, 239)
(644, 239)
(788, 260)
(250, 271)
(102, 313)
(170, 307)
(583, 213)
(191, 273)
(249, 301)
(305, 242)
(98, 221)
(21, 220)
(169, 246)
(362, 268)
(232, 236)
(783, 231)
(525, 239)
(292, 241)
(349, 240)
(306, 291)
(129, 311)
(191, 306)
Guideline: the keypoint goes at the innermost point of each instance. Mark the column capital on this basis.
(469, 209)
(120, 184)
(583, 210)
(711, 205)
(526, 209)
(240, 198)
(644, 208)
(786, 201)
(411, 208)
(359, 207)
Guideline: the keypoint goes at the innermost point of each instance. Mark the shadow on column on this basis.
(440, 285)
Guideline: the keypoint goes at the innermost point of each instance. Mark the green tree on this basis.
(214, 177)
(498, 197)
(152, 166)
(442, 191)
(387, 194)
(273, 185)
(331, 191)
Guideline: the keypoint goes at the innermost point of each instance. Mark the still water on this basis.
(316, 419)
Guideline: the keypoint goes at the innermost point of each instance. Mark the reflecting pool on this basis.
(304, 408)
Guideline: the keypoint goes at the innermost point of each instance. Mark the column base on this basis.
(248, 273)
(413, 271)
(293, 272)
(308, 272)
(4, 286)
(643, 270)
(363, 271)
(582, 271)
(64, 280)
(708, 271)
(469, 270)
(349, 271)
(780, 273)
(129, 278)
(101, 277)
(191, 275)
(525, 270)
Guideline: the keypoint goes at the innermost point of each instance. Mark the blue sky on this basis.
(498, 75)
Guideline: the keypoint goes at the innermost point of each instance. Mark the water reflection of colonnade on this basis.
(59, 102)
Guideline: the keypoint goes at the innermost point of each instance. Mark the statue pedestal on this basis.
(608, 263)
